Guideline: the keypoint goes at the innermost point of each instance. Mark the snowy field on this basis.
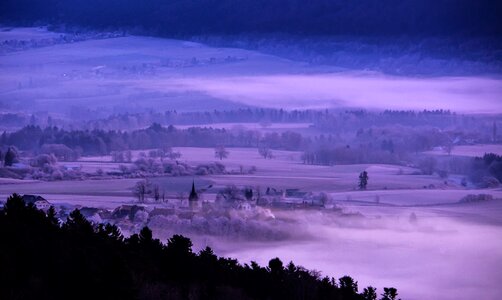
(390, 184)
(138, 73)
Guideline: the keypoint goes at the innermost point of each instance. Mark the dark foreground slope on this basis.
(43, 259)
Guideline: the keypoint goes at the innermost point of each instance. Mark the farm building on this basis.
(38, 201)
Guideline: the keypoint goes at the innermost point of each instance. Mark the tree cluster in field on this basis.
(263, 116)
(356, 119)
(377, 141)
(482, 172)
(362, 18)
(147, 166)
(373, 131)
(100, 142)
(18, 45)
(472, 198)
(334, 120)
(12, 120)
(333, 155)
(487, 170)
(363, 180)
(41, 167)
(44, 258)
(394, 131)
(9, 156)
(60, 151)
(349, 137)
(145, 188)
(159, 162)
(418, 130)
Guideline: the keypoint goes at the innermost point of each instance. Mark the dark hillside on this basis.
(43, 259)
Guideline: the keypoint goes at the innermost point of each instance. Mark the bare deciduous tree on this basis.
(156, 192)
(141, 189)
(265, 152)
(220, 152)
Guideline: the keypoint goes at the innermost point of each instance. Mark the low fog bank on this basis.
(434, 258)
(99, 74)
(316, 91)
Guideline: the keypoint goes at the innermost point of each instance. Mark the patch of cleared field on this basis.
(91, 164)
(103, 158)
(100, 193)
(110, 187)
(286, 170)
(411, 197)
(470, 150)
(93, 167)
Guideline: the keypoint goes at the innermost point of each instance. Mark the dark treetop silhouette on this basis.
(43, 258)
(362, 17)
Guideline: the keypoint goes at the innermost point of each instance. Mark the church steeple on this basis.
(193, 194)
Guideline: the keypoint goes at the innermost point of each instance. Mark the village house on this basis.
(126, 211)
(38, 201)
(162, 211)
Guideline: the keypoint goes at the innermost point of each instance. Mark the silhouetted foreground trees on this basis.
(41, 258)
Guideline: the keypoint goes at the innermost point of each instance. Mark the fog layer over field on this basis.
(369, 90)
(437, 259)
(131, 73)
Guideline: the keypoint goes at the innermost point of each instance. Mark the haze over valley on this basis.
(124, 74)
(191, 150)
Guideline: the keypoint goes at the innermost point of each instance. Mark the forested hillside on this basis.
(320, 17)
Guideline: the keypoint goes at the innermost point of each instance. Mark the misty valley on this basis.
(148, 165)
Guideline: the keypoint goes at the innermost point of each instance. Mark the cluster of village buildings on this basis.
(190, 206)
